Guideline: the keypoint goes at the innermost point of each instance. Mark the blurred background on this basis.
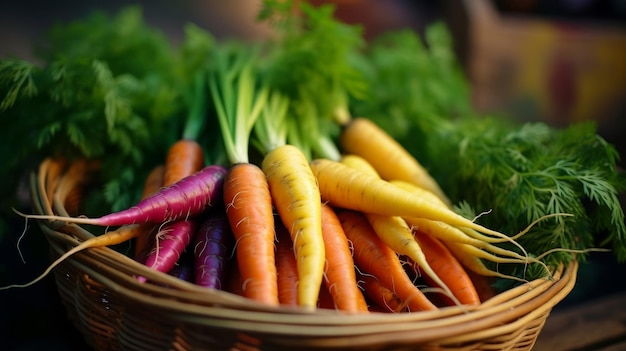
(557, 61)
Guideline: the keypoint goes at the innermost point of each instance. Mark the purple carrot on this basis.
(212, 247)
(171, 241)
(183, 199)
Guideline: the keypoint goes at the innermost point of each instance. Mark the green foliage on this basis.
(108, 88)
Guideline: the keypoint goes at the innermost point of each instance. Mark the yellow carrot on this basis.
(363, 137)
(358, 162)
(345, 187)
(419, 191)
(470, 257)
(297, 200)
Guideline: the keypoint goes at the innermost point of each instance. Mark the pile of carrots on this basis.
(316, 234)
(363, 228)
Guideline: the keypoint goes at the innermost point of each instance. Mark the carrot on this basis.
(363, 137)
(185, 157)
(212, 246)
(154, 182)
(382, 298)
(187, 197)
(358, 162)
(286, 267)
(171, 241)
(72, 184)
(249, 209)
(296, 198)
(110, 238)
(374, 257)
(394, 230)
(419, 191)
(448, 268)
(246, 191)
(470, 257)
(484, 285)
(348, 188)
(339, 275)
(54, 168)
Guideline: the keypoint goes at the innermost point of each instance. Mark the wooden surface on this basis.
(597, 325)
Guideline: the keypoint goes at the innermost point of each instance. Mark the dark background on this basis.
(34, 318)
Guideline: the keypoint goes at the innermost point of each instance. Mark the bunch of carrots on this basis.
(360, 227)
(367, 232)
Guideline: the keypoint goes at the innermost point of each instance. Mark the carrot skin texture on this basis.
(286, 267)
(297, 200)
(171, 241)
(381, 298)
(363, 137)
(340, 276)
(373, 256)
(448, 268)
(212, 246)
(184, 157)
(249, 210)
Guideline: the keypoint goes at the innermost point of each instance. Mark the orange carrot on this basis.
(286, 267)
(72, 184)
(374, 257)
(246, 190)
(448, 268)
(250, 214)
(339, 275)
(54, 168)
(382, 299)
(184, 157)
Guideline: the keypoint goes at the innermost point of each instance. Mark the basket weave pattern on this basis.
(115, 312)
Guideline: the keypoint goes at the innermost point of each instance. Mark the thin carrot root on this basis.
(108, 239)
(580, 251)
(533, 223)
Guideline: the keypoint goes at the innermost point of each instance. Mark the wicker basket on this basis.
(116, 312)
